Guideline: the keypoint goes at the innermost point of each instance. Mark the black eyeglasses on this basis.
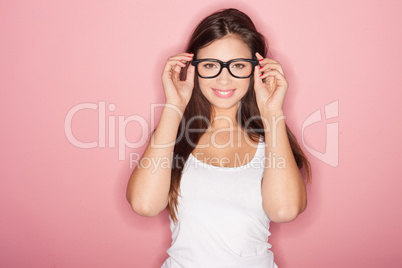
(211, 68)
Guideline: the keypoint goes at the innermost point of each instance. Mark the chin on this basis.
(228, 105)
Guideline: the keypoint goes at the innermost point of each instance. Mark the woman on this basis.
(222, 159)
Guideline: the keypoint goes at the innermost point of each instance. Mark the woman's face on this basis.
(224, 91)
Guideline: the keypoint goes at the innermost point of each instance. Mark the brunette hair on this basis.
(218, 25)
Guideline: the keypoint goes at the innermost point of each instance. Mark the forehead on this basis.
(225, 49)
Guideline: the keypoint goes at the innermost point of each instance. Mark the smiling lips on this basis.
(223, 93)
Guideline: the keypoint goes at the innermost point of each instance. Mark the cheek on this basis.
(245, 85)
(204, 85)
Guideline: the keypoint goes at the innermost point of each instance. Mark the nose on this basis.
(224, 77)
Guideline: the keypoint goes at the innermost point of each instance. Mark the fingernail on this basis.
(261, 67)
(261, 59)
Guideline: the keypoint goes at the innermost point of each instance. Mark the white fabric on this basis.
(222, 223)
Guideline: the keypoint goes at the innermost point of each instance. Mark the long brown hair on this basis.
(198, 110)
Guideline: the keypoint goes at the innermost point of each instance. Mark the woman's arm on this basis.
(283, 188)
(148, 188)
(149, 184)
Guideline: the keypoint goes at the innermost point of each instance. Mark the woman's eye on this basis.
(209, 66)
(238, 66)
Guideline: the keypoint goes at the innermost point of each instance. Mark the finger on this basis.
(273, 73)
(259, 56)
(190, 74)
(175, 76)
(272, 66)
(180, 61)
(266, 64)
(173, 65)
(168, 73)
(183, 56)
(257, 77)
(275, 77)
(178, 67)
(267, 60)
(180, 58)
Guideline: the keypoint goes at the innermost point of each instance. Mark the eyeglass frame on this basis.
(225, 65)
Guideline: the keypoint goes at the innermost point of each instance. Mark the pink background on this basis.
(64, 206)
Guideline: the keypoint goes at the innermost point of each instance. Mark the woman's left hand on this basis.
(271, 93)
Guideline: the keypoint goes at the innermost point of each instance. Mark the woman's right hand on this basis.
(178, 92)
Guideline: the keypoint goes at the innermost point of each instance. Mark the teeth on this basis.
(224, 92)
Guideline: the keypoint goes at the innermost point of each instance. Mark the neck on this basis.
(224, 118)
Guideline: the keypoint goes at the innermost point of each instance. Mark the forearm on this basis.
(149, 183)
(283, 188)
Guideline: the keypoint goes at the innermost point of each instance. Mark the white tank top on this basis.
(221, 221)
